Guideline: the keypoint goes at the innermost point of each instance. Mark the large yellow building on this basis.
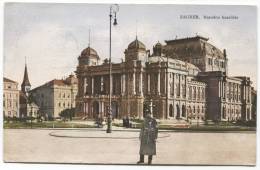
(185, 79)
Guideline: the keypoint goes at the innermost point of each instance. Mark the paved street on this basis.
(122, 147)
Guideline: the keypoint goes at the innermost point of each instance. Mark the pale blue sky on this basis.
(52, 36)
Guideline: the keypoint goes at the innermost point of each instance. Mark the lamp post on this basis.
(113, 10)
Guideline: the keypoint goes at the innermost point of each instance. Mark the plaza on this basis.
(95, 146)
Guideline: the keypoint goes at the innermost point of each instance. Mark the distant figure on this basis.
(148, 136)
(127, 121)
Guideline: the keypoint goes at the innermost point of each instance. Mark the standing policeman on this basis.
(148, 136)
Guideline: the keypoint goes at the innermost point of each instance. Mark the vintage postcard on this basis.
(129, 84)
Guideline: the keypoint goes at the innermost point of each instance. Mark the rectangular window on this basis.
(183, 91)
(209, 61)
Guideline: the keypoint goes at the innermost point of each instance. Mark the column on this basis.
(158, 83)
(86, 108)
(222, 89)
(92, 86)
(148, 83)
(133, 84)
(166, 83)
(141, 83)
(219, 89)
(122, 84)
(84, 85)
(173, 84)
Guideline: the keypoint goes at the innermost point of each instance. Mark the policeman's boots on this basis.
(141, 160)
(150, 158)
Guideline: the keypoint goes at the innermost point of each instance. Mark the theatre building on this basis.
(185, 79)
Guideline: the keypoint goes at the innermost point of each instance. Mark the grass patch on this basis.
(54, 124)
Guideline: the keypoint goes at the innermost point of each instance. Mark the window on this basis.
(190, 93)
(209, 61)
(183, 91)
(194, 93)
(216, 62)
(64, 95)
(59, 104)
(178, 89)
(198, 93)
(202, 93)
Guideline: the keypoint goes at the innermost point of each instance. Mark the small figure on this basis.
(148, 136)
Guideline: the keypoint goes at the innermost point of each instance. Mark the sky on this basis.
(52, 36)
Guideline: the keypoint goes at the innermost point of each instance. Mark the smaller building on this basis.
(55, 96)
(10, 98)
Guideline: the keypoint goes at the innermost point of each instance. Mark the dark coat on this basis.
(148, 136)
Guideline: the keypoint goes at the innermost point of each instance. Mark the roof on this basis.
(136, 44)
(195, 46)
(60, 82)
(189, 66)
(26, 81)
(87, 52)
(197, 37)
(158, 44)
(9, 80)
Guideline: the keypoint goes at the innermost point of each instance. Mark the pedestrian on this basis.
(148, 136)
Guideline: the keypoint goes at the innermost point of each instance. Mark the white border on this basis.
(6, 166)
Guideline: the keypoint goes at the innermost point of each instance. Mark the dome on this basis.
(136, 44)
(157, 49)
(158, 45)
(89, 52)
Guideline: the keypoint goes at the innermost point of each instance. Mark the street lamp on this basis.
(113, 10)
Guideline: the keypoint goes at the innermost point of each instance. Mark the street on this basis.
(122, 147)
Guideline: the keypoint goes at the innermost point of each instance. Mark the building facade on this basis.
(186, 79)
(10, 98)
(55, 96)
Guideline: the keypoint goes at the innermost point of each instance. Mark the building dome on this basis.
(136, 44)
(157, 49)
(89, 52)
(88, 57)
(158, 45)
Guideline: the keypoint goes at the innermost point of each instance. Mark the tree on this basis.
(67, 114)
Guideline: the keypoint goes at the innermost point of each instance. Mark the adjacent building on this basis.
(10, 98)
(185, 79)
(55, 96)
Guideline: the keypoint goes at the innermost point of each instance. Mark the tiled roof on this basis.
(9, 80)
